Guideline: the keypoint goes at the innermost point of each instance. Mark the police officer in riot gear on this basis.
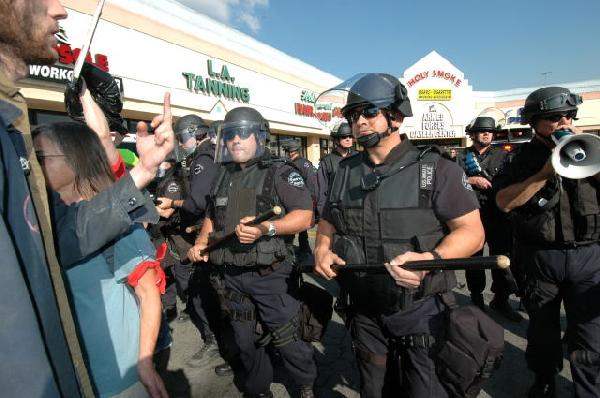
(169, 183)
(388, 205)
(257, 265)
(481, 163)
(309, 173)
(557, 223)
(343, 141)
(202, 303)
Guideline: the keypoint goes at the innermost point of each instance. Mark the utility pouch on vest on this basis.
(470, 350)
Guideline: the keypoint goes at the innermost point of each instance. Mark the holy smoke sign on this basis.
(219, 84)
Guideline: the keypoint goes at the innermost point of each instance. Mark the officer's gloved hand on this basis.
(405, 278)
(324, 259)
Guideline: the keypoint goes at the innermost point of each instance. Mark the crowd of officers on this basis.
(388, 204)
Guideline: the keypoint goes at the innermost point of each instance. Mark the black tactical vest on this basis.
(400, 218)
(245, 192)
(564, 211)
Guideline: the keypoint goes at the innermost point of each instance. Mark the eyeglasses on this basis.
(230, 133)
(368, 112)
(555, 117)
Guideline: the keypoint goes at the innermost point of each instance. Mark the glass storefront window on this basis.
(37, 117)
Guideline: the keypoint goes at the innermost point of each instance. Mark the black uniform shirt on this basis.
(452, 196)
(309, 173)
(203, 171)
(289, 187)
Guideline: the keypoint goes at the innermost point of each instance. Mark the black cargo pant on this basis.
(498, 238)
(390, 369)
(572, 276)
(268, 297)
(202, 300)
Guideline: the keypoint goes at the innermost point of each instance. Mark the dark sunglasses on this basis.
(557, 116)
(243, 133)
(368, 112)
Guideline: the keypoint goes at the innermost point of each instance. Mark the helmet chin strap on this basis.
(371, 140)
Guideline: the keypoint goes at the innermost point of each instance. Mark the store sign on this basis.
(68, 56)
(435, 123)
(437, 74)
(434, 94)
(219, 84)
(58, 74)
(307, 107)
(62, 72)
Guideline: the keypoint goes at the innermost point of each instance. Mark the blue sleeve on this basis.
(87, 226)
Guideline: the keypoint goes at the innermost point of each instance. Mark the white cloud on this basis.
(230, 11)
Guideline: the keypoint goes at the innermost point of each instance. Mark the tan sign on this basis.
(434, 94)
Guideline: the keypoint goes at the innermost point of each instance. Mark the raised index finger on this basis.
(167, 117)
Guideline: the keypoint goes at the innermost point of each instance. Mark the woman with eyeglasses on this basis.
(115, 291)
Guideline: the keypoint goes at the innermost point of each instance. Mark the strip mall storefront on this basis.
(204, 78)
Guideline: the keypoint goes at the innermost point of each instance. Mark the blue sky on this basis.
(498, 45)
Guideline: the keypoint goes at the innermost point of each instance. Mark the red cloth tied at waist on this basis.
(140, 270)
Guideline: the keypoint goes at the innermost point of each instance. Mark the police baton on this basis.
(275, 211)
(450, 264)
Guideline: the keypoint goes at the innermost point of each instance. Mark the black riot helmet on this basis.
(380, 89)
(367, 93)
(292, 146)
(482, 123)
(547, 101)
(239, 124)
(190, 126)
(344, 130)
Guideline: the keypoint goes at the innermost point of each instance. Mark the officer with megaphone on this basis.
(557, 224)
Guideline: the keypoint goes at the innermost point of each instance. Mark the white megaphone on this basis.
(576, 155)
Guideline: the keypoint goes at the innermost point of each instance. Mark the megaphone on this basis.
(576, 155)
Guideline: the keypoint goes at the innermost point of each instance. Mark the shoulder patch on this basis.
(173, 187)
(295, 179)
(198, 168)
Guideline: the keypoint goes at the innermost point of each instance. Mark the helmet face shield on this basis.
(364, 92)
(240, 142)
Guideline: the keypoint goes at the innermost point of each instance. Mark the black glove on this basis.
(106, 93)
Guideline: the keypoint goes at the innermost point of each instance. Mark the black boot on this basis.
(544, 387)
(209, 350)
(223, 370)
(503, 307)
(477, 300)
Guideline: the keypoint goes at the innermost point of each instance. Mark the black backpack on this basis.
(470, 350)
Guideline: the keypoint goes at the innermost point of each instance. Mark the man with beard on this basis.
(343, 141)
(256, 265)
(40, 352)
(481, 163)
